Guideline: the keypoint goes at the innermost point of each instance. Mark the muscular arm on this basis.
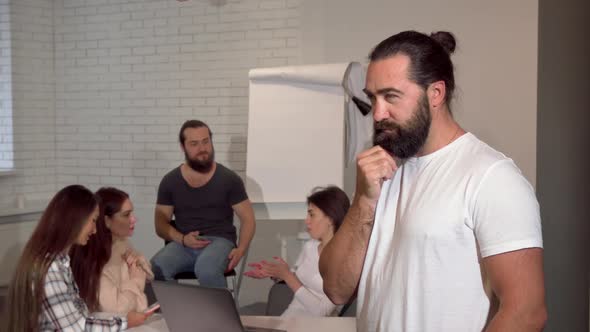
(162, 218)
(341, 261)
(517, 281)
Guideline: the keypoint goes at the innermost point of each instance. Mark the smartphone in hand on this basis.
(152, 308)
(200, 238)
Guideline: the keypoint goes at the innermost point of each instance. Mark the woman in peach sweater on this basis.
(115, 280)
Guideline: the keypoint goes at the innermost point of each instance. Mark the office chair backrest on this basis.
(279, 298)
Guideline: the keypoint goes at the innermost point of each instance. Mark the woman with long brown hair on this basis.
(43, 295)
(111, 275)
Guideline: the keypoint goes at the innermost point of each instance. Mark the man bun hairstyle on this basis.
(446, 40)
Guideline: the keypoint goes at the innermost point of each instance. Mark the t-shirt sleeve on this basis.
(165, 191)
(237, 193)
(505, 211)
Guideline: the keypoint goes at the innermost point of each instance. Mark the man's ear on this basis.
(437, 92)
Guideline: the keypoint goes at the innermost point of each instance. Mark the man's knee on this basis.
(211, 265)
(159, 269)
(165, 264)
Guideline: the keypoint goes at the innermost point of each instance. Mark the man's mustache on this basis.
(386, 125)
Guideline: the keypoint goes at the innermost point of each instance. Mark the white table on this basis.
(156, 323)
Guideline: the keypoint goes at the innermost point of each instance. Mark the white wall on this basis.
(6, 156)
(33, 99)
(496, 59)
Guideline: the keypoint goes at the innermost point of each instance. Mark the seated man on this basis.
(202, 195)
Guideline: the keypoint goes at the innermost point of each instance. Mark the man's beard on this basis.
(405, 141)
(201, 166)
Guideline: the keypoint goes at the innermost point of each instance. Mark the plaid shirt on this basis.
(63, 309)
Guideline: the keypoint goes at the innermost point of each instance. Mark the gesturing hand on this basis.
(256, 271)
(277, 269)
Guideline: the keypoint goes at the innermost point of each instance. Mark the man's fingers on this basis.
(379, 170)
(371, 151)
(202, 243)
(231, 265)
(380, 159)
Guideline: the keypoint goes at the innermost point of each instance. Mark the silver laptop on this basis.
(188, 308)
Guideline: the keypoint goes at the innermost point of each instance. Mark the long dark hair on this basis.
(58, 229)
(88, 261)
(333, 202)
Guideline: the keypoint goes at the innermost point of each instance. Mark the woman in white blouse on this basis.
(326, 208)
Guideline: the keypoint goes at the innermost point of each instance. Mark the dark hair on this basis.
(88, 261)
(192, 124)
(59, 227)
(333, 202)
(430, 59)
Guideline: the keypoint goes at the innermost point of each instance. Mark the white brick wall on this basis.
(6, 150)
(128, 73)
(31, 78)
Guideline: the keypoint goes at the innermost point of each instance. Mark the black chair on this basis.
(234, 278)
(349, 309)
(279, 298)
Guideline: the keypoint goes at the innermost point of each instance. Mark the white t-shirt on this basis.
(436, 219)
(309, 299)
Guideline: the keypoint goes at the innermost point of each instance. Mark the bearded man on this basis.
(201, 197)
(444, 232)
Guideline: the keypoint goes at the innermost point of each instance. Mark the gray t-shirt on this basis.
(207, 209)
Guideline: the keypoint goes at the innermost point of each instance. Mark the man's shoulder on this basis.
(479, 155)
(226, 172)
(173, 174)
(480, 161)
